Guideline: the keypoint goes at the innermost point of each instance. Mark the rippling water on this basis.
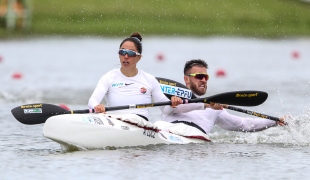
(66, 70)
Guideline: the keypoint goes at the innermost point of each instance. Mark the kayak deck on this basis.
(98, 131)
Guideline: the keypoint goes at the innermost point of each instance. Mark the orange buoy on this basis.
(64, 106)
(220, 73)
(17, 75)
(1, 59)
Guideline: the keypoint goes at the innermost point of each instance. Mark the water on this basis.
(65, 70)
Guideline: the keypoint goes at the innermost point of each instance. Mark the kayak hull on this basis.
(99, 131)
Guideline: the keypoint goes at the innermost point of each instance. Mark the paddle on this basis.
(38, 113)
(178, 89)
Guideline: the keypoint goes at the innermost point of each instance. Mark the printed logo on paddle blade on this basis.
(31, 106)
(34, 110)
(176, 91)
(247, 95)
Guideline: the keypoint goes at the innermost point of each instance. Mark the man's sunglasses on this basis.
(130, 53)
(200, 76)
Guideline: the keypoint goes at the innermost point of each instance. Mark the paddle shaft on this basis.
(253, 113)
(134, 106)
(137, 106)
(185, 101)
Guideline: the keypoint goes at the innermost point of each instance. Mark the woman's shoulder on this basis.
(112, 72)
(116, 70)
(109, 75)
(147, 75)
(150, 78)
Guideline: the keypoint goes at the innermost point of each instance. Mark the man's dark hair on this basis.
(194, 62)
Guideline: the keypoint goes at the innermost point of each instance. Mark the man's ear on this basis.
(186, 80)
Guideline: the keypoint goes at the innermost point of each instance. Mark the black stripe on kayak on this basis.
(190, 124)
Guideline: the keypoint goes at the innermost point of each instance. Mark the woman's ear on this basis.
(139, 57)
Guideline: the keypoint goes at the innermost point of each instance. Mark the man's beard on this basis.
(197, 90)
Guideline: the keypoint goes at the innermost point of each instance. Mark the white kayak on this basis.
(99, 131)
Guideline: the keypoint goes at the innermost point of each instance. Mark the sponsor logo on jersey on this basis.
(120, 84)
(143, 90)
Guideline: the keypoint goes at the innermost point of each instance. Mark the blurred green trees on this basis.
(263, 19)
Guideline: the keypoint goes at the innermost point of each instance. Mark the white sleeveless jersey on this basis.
(119, 90)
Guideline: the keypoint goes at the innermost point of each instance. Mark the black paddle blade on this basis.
(240, 98)
(172, 88)
(36, 113)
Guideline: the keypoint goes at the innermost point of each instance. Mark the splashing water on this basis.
(297, 132)
(299, 128)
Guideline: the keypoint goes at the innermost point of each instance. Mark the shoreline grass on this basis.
(200, 18)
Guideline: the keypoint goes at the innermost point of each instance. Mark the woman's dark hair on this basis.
(194, 62)
(136, 39)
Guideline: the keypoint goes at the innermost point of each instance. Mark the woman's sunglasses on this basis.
(200, 76)
(130, 53)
